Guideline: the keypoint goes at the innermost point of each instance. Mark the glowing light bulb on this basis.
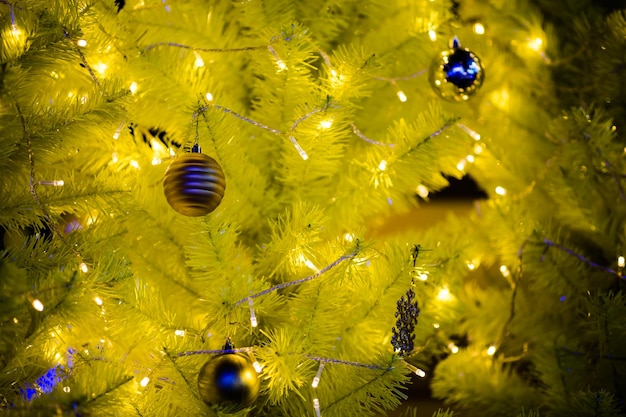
(382, 165)
(436, 325)
(423, 276)
(479, 29)
(81, 42)
(349, 237)
(504, 270)
(179, 333)
(316, 406)
(133, 88)
(66, 389)
(145, 381)
(209, 96)
(199, 62)
(444, 294)
(478, 149)
(422, 191)
(37, 305)
(83, 267)
(535, 44)
(114, 157)
(257, 367)
(280, 64)
(453, 348)
(401, 96)
(461, 165)
(100, 68)
(134, 164)
(491, 350)
(432, 35)
(500, 190)
(98, 300)
(156, 161)
(325, 124)
(471, 265)
(470, 159)
(621, 262)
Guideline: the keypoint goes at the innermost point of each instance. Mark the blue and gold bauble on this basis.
(194, 184)
(456, 74)
(228, 379)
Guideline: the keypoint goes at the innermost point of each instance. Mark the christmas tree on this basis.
(193, 200)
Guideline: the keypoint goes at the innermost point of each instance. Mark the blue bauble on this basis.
(456, 74)
(228, 379)
(194, 184)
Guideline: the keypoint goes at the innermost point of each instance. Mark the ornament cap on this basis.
(196, 148)
(455, 43)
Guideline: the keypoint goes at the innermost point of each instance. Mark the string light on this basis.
(478, 148)
(83, 267)
(66, 389)
(179, 332)
(199, 62)
(382, 165)
(318, 375)
(325, 124)
(145, 381)
(98, 300)
(535, 44)
(491, 350)
(37, 305)
(500, 190)
(134, 164)
(301, 151)
(133, 88)
(621, 262)
(54, 183)
(444, 294)
(114, 157)
(461, 165)
(453, 348)
(479, 29)
(253, 320)
(417, 371)
(209, 96)
(422, 191)
(316, 406)
(348, 237)
(116, 135)
(436, 325)
(81, 42)
(471, 265)
(432, 35)
(401, 96)
(100, 67)
(473, 134)
(504, 270)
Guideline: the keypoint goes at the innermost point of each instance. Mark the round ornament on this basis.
(194, 184)
(456, 74)
(230, 379)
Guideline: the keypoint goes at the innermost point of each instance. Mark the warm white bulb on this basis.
(401, 96)
(432, 35)
(179, 332)
(98, 300)
(145, 381)
(479, 29)
(621, 262)
(500, 190)
(83, 267)
(422, 191)
(133, 87)
(382, 165)
(491, 350)
(37, 305)
(81, 42)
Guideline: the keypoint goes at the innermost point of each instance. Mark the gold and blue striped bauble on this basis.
(194, 184)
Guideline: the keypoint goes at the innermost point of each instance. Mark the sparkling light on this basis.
(81, 42)
(461, 165)
(453, 348)
(145, 381)
(66, 389)
(37, 305)
(479, 29)
(98, 300)
(478, 149)
(621, 262)
(504, 270)
(179, 332)
(209, 96)
(500, 190)
(432, 35)
(114, 157)
(382, 165)
(257, 367)
(401, 96)
(133, 88)
(134, 164)
(83, 267)
(349, 237)
(491, 350)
